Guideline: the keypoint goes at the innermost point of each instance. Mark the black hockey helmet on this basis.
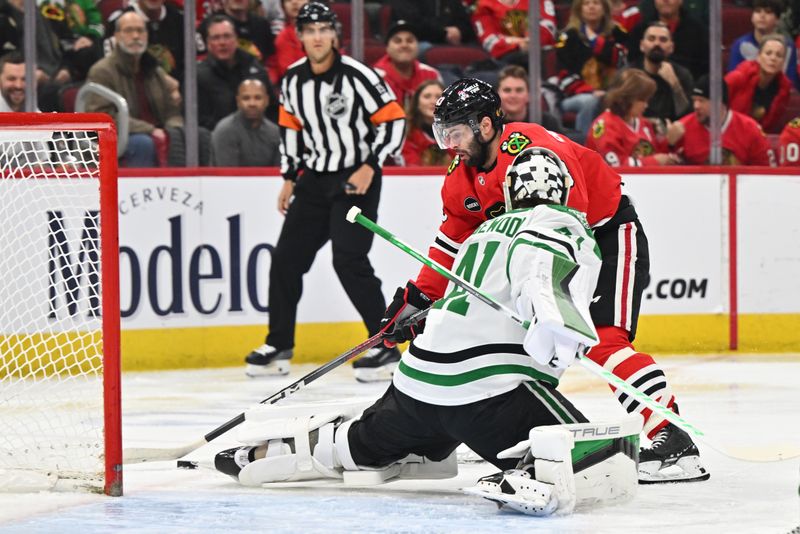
(537, 173)
(315, 12)
(466, 101)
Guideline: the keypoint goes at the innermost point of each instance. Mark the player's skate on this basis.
(673, 457)
(231, 461)
(266, 360)
(377, 364)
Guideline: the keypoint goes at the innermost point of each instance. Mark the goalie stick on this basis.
(355, 216)
(138, 455)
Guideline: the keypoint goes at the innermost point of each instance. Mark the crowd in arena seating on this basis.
(628, 78)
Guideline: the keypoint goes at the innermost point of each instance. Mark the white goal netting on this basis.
(52, 408)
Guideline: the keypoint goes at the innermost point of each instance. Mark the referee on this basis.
(338, 123)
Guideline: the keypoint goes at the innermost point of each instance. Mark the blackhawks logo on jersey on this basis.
(515, 143)
(453, 165)
(643, 148)
(598, 128)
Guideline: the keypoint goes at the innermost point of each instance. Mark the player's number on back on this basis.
(473, 267)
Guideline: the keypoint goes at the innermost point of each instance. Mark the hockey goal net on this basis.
(59, 294)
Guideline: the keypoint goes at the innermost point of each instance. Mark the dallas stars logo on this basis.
(515, 143)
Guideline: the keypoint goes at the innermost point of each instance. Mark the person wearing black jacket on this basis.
(689, 35)
(219, 75)
(436, 21)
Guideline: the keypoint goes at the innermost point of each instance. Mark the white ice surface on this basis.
(748, 404)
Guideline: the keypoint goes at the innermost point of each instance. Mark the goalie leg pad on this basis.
(292, 459)
(605, 460)
(582, 464)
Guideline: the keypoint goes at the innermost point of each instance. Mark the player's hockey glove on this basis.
(406, 302)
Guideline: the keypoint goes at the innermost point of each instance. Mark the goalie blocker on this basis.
(557, 466)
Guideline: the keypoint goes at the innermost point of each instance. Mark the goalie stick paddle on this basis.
(138, 455)
(355, 216)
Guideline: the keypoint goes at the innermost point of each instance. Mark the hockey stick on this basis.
(355, 216)
(138, 455)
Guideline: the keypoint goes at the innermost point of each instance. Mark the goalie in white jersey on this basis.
(477, 377)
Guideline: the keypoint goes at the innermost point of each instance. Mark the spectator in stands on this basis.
(621, 134)
(673, 82)
(437, 21)
(75, 24)
(502, 28)
(419, 147)
(273, 11)
(759, 88)
(245, 138)
(164, 33)
(689, 35)
(765, 18)
(288, 47)
(696, 9)
(514, 90)
(626, 14)
(253, 31)
(589, 50)
(399, 67)
(225, 67)
(53, 68)
(136, 76)
(789, 142)
(743, 140)
(12, 82)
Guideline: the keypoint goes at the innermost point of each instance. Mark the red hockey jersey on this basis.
(622, 144)
(790, 144)
(743, 141)
(470, 195)
(495, 20)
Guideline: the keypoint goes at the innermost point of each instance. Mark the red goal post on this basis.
(60, 401)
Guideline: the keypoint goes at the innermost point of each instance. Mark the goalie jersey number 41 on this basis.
(469, 351)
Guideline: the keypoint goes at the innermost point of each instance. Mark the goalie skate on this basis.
(673, 457)
(517, 490)
(266, 360)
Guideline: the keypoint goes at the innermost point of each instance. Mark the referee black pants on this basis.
(316, 215)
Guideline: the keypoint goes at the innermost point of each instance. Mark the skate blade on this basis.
(687, 469)
(374, 374)
(279, 368)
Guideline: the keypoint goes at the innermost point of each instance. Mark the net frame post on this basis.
(109, 272)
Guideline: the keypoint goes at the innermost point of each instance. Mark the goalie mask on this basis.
(537, 173)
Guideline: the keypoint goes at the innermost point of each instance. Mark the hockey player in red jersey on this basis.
(468, 120)
(621, 134)
(743, 140)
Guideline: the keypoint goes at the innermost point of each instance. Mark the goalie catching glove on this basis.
(406, 302)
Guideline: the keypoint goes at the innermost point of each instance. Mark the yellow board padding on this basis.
(37, 355)
(223, 346)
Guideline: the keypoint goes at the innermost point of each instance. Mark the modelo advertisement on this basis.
(197, 251)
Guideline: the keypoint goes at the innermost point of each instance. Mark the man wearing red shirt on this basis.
(400, 68)
(743, 140)
(469, 121)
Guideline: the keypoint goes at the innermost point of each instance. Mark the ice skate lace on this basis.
(660, 438)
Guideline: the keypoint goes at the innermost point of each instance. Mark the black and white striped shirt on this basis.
(341, 118)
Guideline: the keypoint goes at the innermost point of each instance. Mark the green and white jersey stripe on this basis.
(470, 352)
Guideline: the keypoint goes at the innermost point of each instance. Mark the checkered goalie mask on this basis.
(537, 172)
